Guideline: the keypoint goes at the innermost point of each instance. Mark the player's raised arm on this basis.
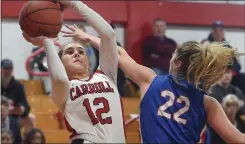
(60, 81)
(220, 123)
(141, 75)
(108, 52)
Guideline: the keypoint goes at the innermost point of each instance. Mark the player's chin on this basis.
(78, 66)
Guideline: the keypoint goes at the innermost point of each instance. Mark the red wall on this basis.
(138, 16)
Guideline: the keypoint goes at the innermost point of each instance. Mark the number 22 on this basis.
(170, 102)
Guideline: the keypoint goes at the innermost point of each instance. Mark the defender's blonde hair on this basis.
(203, 65)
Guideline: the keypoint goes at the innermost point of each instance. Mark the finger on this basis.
(66, 32)
(75, 26)
(26, 37)
(70, 27)
(69, 35)
(55, 39)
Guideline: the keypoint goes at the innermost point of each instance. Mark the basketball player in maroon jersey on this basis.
(91, 104)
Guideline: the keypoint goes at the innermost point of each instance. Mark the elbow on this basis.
(236, 139)
(242, 138)
(110, 34)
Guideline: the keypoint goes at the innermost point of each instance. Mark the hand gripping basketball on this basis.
(38, 41)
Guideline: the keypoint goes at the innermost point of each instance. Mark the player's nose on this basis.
(76, 54)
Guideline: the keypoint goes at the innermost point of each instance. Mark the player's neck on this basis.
(79, 76)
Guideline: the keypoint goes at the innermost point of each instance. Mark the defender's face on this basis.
(172, 68)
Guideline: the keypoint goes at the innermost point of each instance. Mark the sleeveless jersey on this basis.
(93, 111)
(172, 111)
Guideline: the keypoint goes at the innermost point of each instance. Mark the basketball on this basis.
(41, 18)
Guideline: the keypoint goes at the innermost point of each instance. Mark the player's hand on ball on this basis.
(38, 41)
(76, 33)
(65, 3)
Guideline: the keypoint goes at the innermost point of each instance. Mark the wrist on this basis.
(47, 42)
(89, 39)
(73, 3)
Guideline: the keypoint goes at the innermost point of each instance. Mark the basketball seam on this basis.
(26, 13)
(23, 22)
(37, 11)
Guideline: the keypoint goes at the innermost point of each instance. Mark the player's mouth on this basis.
(77, 61)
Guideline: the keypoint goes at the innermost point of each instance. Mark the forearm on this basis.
(95, 20)
(56, 69)
(60, 81)
(95, 42)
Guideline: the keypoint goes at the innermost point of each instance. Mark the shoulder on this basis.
(17, 84)
(148, 38)
(159, 79)
(205, 41)
(209, 102)
(172, 41)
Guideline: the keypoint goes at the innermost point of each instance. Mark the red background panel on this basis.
(141, 15)
(110, 10)
(138, 16)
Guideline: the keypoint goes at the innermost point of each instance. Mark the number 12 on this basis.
(98, 118)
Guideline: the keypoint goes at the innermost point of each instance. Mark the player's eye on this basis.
(69, 51)
(81, 52)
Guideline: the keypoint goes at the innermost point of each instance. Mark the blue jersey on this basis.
(172, 112)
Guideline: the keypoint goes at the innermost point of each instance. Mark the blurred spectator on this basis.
(239, 81)
(231, 104)
(7, 137)
(36, 62)
(224, 87)
(14, 91)
(158, 48)
(9, 123)
(38, 66)
(34, 136)
(218, 35)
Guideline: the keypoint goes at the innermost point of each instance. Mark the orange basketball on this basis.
(41, 18)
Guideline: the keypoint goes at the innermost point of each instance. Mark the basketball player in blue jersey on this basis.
(175, 108)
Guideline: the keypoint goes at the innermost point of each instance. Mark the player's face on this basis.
(74, 58)
(173, 68)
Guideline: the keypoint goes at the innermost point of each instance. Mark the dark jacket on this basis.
(163, 47)
(236, 66)
(16, 92)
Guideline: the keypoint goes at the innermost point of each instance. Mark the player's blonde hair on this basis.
(203, 65)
